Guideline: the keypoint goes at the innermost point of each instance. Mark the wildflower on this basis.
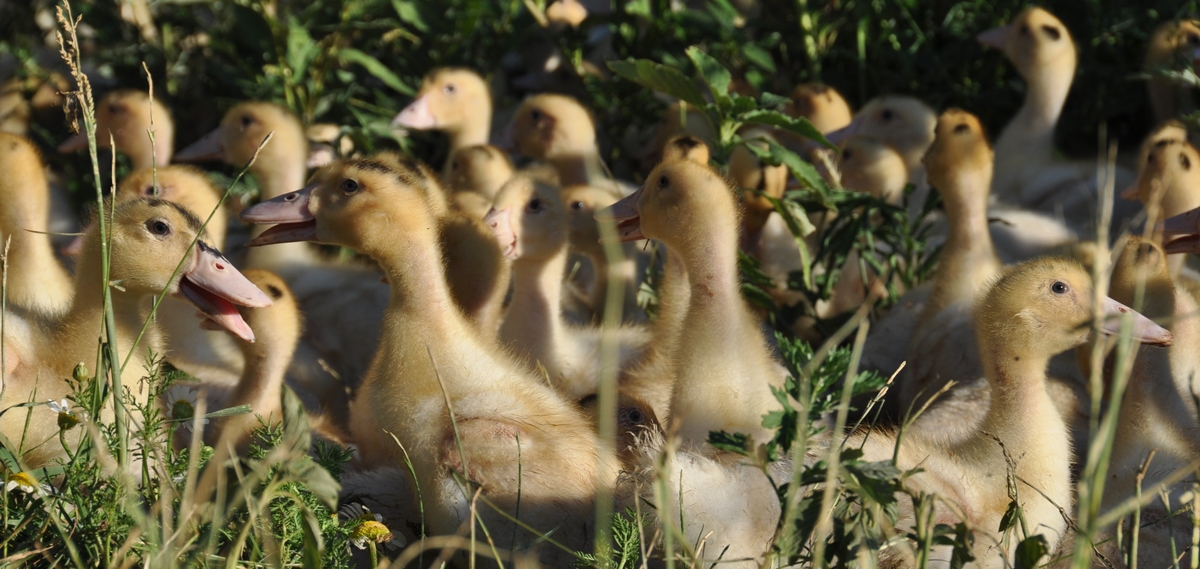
(26, 483)
(181, 405)
(369, 529)
(66, 419)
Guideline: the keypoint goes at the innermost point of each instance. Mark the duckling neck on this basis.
(534, 318)
(969, 258)
(142, 154)
(81, 325)
(261, 385)
(625, 271)
(1021, 412)
(1028, 139)
(579, 167)
(35, 277)
(414, 269)
(472, 132)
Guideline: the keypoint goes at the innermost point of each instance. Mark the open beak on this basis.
(1144, 330)
(294, 222)
(994, 38)
(500, 222)
(214, 286)
(416, 115)
(203, 150)
(624, 213)
(1185, 226)
(74, 144)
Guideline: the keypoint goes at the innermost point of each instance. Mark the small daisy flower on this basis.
(369, 529)
(66, 419)
(181, 405)
(26, 483)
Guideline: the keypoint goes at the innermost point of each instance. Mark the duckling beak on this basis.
(507, 140)
(624, 213)
(1186, 226)
(1131, 193)
(294, 222)
(837, 136)
(500, 222)
(74, 248)
(74, 144)
(416, 115)
(214, 286)
(203, 150)
(1144, 330)
(994, 38)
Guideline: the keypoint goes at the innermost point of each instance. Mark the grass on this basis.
(355, 62)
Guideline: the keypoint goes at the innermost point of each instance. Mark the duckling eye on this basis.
(158, 227)
(576, 205)
(846, 154)
(535, 204)
(151, 191)
(115, 109)
(635, 416)
(1059, 287)
(449, 89)
(663, 182)
(536, 115)
(1052, 32)
(1024, 29)
(962, 129)
(247, 120)
(349, 186)
(888, 115)
(1184, 161)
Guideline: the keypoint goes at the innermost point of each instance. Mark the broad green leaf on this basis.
(1030, 551)
(759, 57)
(300, 49)
(659, 78)
(715, 75)
(409, 14)
(798, 125)
(374, 67)
(638, 8)
(771, 100)
(741, 106)
(776, 153)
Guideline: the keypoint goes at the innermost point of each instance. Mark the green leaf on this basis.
(409, 14)
(1030, 551)
(227, 412)
(771, 100)
(732, 442)
(715, 75)
(798, 125)
(374, 67)
(1009, 518)
(310, 555)
(759, 57)
(301, 49)
(659, 78)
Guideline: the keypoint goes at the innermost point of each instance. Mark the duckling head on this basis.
(960, 150)
(126, 115)
(686, 147)
(1035, 42)
(1043, 307)
(679, 200)
(420, 174)
(582, 203)
(551, 126)
(243, 129)
(905, 123)
(445, 101)
(1171, 130)
(277, 327)
(822, 105)
(872, 166)
(1170, 177)
(184, 185)
(149, 237)
(352, 202)
(1138, 262)
(1177, 38)
(529, 220)
(24, 205)
(482, 168)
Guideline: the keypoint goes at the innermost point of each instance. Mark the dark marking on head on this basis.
(210, 249)
(274, 292)
(1054, 33)
(193, 222)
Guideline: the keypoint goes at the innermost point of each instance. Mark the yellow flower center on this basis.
(66, 420)
(182, 410)
(23, 480)
(371, 530)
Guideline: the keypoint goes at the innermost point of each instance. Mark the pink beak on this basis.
(416, 115)
(1144, 330)
(203, 150)
(841, 134)
(76, 143)
(625, 214)
(500, 222)
(994, 38)
(1186, 226)
(290, 212)
(214, 286)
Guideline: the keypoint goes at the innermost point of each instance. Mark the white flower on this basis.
(181, 405)
(26, 483)
(66, 419)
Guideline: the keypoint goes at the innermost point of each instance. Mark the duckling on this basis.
(431, 364)
(679, 119)
(757, 181)
(530, 222)
(1157, 410)
(1169, 185)
(475, 176)
(871, 166)
(686, 147)
(279, 169)
(723, 370)
(559, 130)
(36, 280)
(455, 101)
(149, 238)
(1028, 175)
(584, 238)
(126, 116)
(1170, 41)
(277, 331)
(822, 105)
(1033, 311)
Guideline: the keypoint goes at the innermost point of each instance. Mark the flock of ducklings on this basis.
(471, 346)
